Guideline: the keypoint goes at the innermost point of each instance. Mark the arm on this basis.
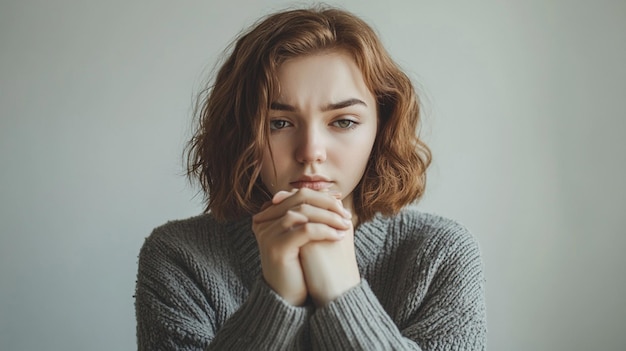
(264, 322)
(175, 312)
(450, 315)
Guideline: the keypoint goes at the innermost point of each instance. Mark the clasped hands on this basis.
(306, 243)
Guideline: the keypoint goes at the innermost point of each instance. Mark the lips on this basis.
(312, 182)
(312, 185)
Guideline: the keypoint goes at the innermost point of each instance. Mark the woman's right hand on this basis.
(291, 220)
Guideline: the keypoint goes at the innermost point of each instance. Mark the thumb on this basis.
(282, 195)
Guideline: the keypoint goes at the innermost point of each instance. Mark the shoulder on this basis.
(184, 227)
(191, 236)
(204, 226)
(412, 222)
(179, 232)
(433, 234)
(439, 252)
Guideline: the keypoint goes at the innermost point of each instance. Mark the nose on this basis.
(311, 147)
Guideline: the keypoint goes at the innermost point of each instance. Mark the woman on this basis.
(306, 150)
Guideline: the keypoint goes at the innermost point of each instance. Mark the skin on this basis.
(323, 127)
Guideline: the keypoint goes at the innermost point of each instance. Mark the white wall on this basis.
(524, 104)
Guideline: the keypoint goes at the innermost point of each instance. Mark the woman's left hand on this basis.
(330, 268)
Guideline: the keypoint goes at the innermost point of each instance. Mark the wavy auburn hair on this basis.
(226, 150)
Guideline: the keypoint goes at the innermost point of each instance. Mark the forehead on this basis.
(321, 78)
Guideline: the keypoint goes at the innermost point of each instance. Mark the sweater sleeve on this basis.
(356, 321)
(450, 316)
(264, 322)
(175, 313)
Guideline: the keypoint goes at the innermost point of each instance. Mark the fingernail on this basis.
(347, 221)
(341, 234)
(335, 194)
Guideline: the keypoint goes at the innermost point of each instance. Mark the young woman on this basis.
(306, 150)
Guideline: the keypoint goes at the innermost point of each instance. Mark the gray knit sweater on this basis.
(199, 287)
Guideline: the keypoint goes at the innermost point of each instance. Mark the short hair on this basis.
(225, 153)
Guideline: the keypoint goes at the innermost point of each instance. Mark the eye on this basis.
(277, 124)
(345, 124)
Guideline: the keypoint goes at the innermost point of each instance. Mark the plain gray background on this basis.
(524, 110)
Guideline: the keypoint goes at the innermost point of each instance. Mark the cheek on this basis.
(367, 140)
(358, 160)
(355, 158)
(367, 150)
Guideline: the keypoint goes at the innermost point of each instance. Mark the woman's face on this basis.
(322, 126)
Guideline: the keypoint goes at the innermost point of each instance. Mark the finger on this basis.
(279, 226)
(327, 200)
(323, 216)
(295, 237)
(265, 206)
(299, 215)
(334, 193)
(278, 197)
(303, 196)
(281, 195)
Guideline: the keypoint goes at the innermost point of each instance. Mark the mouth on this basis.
(312, 182)
(314, 185)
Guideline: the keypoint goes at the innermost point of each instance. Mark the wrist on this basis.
(329, 293)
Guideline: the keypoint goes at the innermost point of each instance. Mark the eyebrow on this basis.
(330, 107)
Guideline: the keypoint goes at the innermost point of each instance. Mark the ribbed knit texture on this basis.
(199, 287)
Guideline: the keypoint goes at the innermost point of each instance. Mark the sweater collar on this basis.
(369, 240)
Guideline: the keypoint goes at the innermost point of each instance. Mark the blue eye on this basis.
(345, 123)
(278, 124)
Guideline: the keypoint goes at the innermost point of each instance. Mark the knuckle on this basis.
(286, 225)
(303, 190)
(290, 217)
(313, 230)
(308, 227)
(303, 193)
